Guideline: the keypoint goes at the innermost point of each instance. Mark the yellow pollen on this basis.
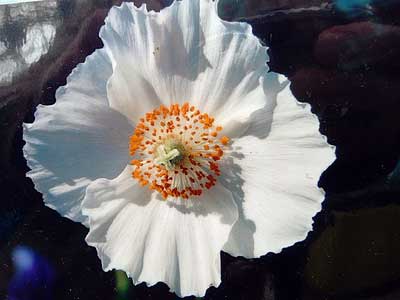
(176, 151)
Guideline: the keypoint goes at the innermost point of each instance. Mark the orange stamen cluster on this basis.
(195, 144)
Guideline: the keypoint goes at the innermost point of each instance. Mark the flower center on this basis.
(168, 157)
(176, 151)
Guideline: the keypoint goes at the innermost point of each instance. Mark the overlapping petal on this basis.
(176, 241)
(278, 193)
(78, 139)
(184, 53)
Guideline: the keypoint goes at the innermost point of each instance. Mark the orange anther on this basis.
(224, 140)
(198, 145)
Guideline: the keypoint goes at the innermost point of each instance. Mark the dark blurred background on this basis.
(342, 56)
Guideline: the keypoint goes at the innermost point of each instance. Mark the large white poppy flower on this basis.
(173, 143)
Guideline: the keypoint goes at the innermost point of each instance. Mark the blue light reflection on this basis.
(33, 278)
(354, 7)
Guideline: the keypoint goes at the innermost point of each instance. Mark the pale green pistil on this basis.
(167, 157)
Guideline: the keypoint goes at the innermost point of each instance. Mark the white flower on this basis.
(173, 142)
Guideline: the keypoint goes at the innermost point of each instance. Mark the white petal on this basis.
(173, 241)
(277, 193)
(76, 140)
(184, 53)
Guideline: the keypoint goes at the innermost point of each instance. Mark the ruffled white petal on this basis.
(184, 53)
(77, 140)
(176, 242)
(277, 189)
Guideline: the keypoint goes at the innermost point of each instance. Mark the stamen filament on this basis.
(177, 150)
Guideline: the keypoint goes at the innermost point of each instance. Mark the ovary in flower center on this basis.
(176, 151)
(168, 156)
